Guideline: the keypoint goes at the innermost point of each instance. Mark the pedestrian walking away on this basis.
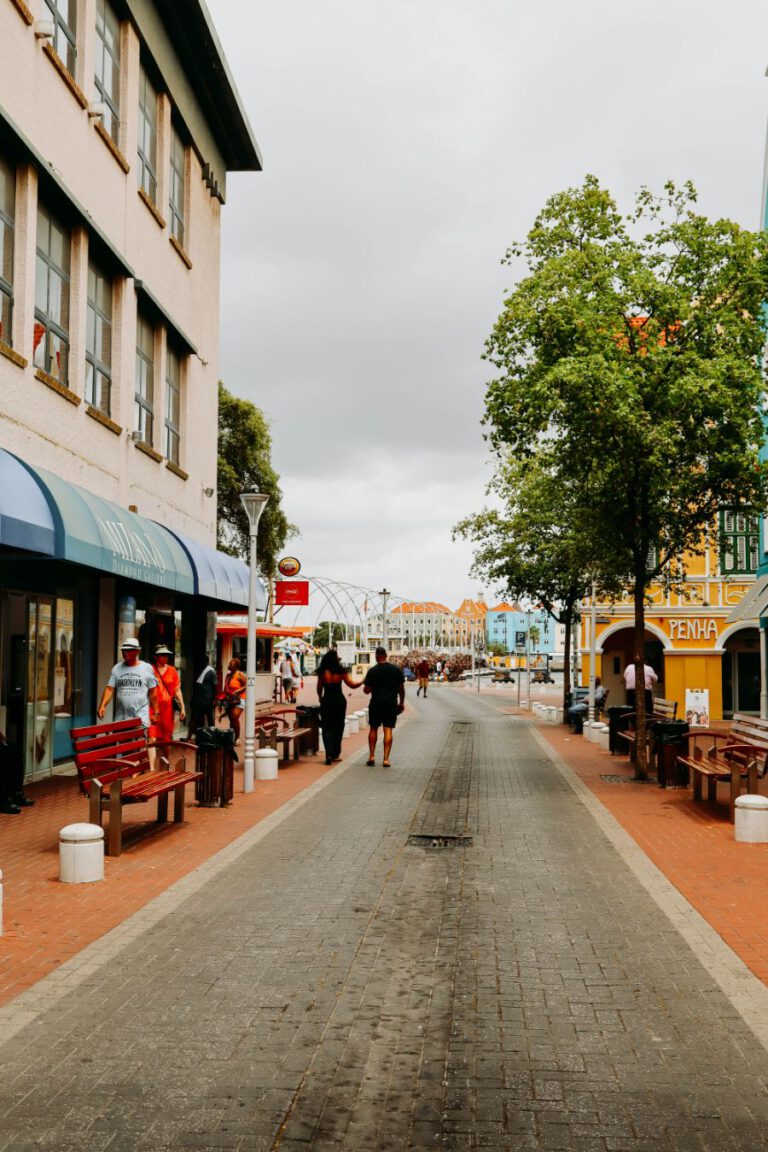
(133, 684)
(233, 695)
(385, 684)
(422, 673)
(288, 674)
(331, 675)
(12, 798)
(169, 699)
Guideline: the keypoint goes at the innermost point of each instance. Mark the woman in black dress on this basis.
(333, 703)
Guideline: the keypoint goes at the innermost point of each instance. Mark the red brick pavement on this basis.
(45, 922)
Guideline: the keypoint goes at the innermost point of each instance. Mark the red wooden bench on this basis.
(737, 758)
(275, 727)
(114, 769)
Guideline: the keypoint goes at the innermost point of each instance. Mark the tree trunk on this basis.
(641, 745)
(566, 618)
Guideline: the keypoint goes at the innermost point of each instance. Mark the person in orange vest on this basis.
(168, 693)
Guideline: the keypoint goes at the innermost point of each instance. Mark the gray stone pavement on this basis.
(334, 987)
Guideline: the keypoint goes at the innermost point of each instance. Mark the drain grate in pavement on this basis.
(441, 841)
(624, 780)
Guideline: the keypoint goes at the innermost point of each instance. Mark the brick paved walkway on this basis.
(329, 986)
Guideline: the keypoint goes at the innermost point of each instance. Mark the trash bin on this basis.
(308, 716)
(667, 738)
(215, 759)
(617, 722)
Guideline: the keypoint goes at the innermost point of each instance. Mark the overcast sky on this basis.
(406, 144)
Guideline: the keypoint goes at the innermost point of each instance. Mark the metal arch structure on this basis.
(353, 605)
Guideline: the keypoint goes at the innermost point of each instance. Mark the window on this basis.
(738, 542)
(147, 166)
(98, 341)
(51, 336)
(176, 200)
(7, 207)
(172, 405)
(108, 65)
(145, 378)
(63, 14)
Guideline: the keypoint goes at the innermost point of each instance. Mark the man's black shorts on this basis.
(382, 715)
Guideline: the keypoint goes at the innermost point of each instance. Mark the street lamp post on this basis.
(384, 622)
(254, 503)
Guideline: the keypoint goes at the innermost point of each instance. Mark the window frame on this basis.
(144, 402)
(65, 32)
(8, 227)
(178, 174)
(739, 542)
(103, 10)
(173, 389)
(49, 325)
(147, 164)
(99, 367)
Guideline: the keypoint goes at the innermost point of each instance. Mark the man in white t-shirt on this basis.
(134, 685)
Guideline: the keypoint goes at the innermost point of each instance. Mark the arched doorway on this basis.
(617, 651)
(741, 672)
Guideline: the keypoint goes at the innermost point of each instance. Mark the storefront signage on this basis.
(133, 554)
(289, 566)
(693, 630)
(292, 592)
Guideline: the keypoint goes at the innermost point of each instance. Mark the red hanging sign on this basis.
(292, 592)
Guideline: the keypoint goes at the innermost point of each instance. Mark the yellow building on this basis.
(694, 638)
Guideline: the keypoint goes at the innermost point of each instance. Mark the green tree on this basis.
(632, 349)
(326, 634)
(245, 465)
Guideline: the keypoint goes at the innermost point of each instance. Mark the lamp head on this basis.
(254, 503)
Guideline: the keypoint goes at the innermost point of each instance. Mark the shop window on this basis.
(739, 538)
(51, 335)
(63, 687)
(145, 379)
(147, 150)
(63, 13)
(172, 405)
(98, 341)
(108, 65)
(178, 185)
(7, 213)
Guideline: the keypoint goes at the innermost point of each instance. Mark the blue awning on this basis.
(219, 576)
(25, 518)
(93, 531)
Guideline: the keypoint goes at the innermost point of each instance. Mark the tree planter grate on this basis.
(625, 780)
(441, 841)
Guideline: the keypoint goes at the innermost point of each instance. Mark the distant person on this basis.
(203, 699)
(629, 683)
(232, 699)
(422, 675)
(331, 675)
(385, 684)
(287, 673)
(133, 684)
(581, 709)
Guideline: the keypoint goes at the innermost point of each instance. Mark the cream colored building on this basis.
(118, 127)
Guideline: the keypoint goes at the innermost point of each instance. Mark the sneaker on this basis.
(9, 809)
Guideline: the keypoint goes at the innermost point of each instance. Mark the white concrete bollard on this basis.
(81, 854)
(603, 738)
(320, 741)
(592, 731)
(345, 733)
(1, 901)
(354, 723)
(751, 819)
(265, 764)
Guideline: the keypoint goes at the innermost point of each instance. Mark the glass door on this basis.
(39, 704)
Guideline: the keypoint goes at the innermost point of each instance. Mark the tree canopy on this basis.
(245, 465)
(629, 353)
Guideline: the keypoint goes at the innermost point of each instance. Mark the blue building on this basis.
(507, 625)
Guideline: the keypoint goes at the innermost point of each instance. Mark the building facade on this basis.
(118, 126)
(700, 636)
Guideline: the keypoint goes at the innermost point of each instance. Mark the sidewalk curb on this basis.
(747, 994)
(28, 1005)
